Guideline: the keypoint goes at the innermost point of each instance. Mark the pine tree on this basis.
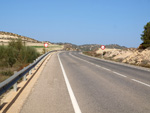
(145, 37)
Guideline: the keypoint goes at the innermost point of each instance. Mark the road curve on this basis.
(98, 87)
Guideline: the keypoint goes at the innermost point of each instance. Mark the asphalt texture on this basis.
(99, 87)
(49, 94)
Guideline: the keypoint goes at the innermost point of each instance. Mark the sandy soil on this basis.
(130, 55)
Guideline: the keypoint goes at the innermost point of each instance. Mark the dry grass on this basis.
(50, 48)
(7, 72)
(3, 77)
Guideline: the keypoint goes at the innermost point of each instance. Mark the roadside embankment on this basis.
(130, 56)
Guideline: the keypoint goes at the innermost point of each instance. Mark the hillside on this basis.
(6, 37)
(88, 47)
(91, 47)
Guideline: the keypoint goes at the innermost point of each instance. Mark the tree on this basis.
(145, 37)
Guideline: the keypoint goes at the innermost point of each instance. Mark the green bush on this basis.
(31, 54)
(16, 52)
(15, 57)
(2, 51)
(2, 56)
(10, 58)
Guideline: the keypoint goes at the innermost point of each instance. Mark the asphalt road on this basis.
(97, 86)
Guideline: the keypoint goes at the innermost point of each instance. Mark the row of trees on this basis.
(17, 53)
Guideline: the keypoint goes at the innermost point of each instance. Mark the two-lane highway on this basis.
(92, 86)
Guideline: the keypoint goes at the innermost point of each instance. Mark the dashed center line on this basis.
(141, 82)
(106, 69)
(110, 70)
(98, 65)
(119, 74)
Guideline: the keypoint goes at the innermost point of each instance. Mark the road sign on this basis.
(45, 45)
(102, 47)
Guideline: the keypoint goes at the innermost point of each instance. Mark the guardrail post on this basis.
(34, 66)
(0, 101)
(30, 72)
(25, 77)
(15, 85)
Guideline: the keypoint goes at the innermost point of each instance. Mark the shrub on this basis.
(2, 55)
(31, 54)
(2, 52)
(10, 58)
(16, 52)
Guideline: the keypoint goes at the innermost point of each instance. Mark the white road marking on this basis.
(91, 63)
(106, 69)
(72, 96)
(83, 60)
(119, 74)
(110, 70)
(100, 66)
(141, 82)
(123, 64)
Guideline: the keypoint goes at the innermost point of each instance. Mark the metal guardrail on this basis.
(8, 83)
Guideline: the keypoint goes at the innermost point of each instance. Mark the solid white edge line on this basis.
(141, 82)
(72, 96)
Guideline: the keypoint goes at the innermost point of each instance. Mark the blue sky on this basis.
(77, 21)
